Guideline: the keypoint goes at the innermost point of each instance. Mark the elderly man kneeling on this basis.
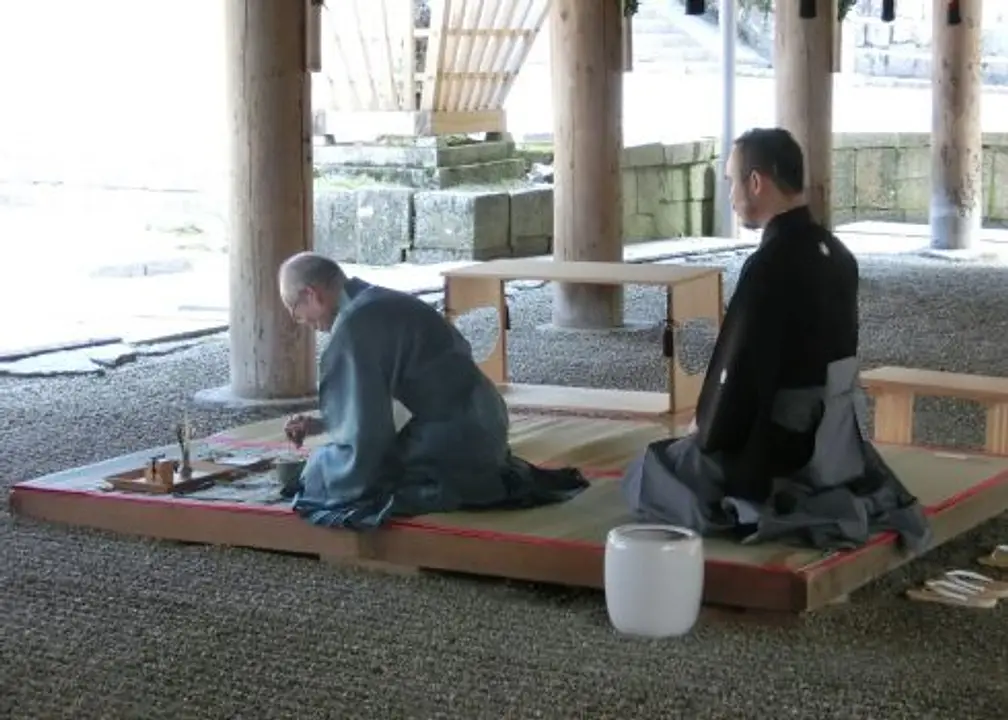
(452, 454)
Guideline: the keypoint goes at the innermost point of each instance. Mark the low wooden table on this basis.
(895, 388)
(692, 292)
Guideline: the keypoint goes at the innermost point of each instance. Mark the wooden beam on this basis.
(270, 209)
(803, 65)
(956, 139)
(587, 59)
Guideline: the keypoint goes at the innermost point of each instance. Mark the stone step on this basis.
(485, 173)
(664, 37)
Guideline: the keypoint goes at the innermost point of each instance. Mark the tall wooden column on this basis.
(803, 63)
(587, 65)
(270, 193)
(956, 133)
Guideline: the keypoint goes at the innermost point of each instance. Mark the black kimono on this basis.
(780, 447)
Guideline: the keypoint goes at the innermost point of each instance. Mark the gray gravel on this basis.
(98, 626)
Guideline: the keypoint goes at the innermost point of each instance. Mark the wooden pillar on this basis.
(803, 64)
(270, 194)
(586, 42)
(956, 133)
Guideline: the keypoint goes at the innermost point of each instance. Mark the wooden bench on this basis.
(691, 292)
(894, 390)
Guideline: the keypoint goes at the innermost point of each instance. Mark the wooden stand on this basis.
(692, 292)
(803, 62)
(586, 43)
(895, 389)
(271, 213)
(956, 133)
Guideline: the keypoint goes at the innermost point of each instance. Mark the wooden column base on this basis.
(587, 307)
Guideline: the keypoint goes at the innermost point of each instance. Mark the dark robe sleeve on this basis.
(744, 374)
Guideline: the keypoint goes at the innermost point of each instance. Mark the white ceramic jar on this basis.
(654, 577)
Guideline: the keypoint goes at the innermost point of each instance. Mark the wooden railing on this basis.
(392, 69)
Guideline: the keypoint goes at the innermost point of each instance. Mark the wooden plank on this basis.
(584, 272)
(600, 402)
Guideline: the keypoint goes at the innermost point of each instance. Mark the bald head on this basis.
(309, 270)
(310, 288)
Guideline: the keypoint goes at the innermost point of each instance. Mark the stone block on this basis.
(629, 180)
(336, 222)
(699, 218)
(531, 220)
(475, 221)
(879, 214)
(863, 140)
(530, 247)
(913, 163)
(486, 173)
(475, 153)
(879, 35)
(701, 181)
(650, 189)
(639, 226)
(842, 215)
(384, 221)
(433, 256)
(999, 186)
(689, 153)
(876, 178)
(421, 152)
(672, 219)
(640, 156)
(845, 178)
(913, 197)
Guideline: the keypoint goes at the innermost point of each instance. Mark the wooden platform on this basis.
(560, 544)
(692, 292)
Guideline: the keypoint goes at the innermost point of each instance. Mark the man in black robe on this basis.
(778, 446)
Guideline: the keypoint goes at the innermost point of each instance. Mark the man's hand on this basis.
(299, 427)
(692, 426)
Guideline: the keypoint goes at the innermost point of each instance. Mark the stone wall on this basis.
(668, 192)
(384, 224)
(669, 189)
(901, 49)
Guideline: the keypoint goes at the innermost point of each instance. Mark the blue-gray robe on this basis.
(452, 454)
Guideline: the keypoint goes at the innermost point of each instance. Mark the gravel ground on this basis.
(98, 626)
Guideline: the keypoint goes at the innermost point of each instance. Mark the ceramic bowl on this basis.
(288, 473)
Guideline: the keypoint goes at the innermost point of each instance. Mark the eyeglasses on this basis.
(296, 303)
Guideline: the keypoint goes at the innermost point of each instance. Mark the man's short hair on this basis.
(774, 153)
(309, 269)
